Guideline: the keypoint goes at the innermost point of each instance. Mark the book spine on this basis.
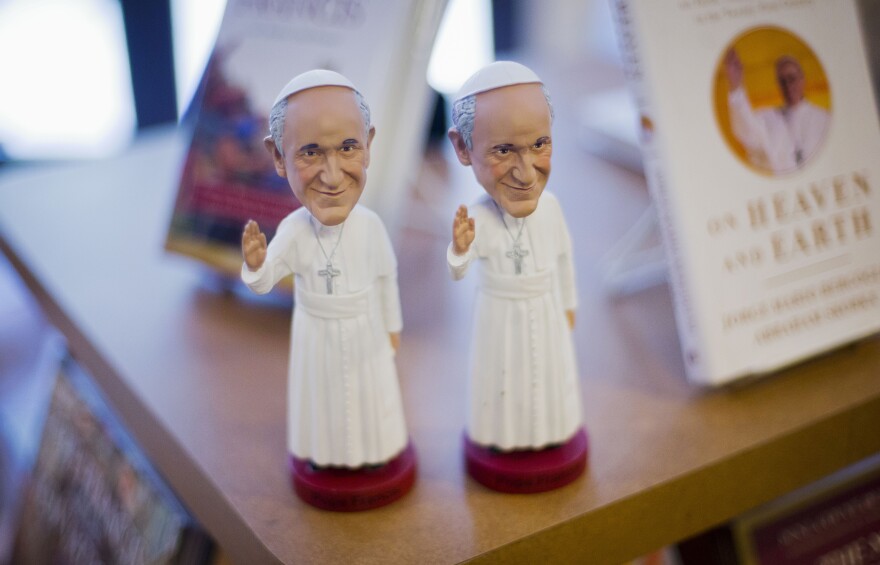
(661, 191)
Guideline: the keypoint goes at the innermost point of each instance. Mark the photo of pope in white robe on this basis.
(779, 139)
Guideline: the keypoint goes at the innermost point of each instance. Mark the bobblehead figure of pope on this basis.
(344, 404)
(523, 389)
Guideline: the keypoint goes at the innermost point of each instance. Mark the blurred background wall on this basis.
(80, 77)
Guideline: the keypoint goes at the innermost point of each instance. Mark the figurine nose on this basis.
(331, 175)
(523, 171)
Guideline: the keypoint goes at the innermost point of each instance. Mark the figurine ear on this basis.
(277, 157)
(461, 150)
(370, 135)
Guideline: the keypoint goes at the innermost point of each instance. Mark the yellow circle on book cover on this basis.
(772, 100)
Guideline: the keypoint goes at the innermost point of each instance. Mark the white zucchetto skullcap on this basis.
(496, 75)
(312, 79)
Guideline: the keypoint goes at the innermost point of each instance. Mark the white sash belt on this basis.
(516, 286)
(333, 305)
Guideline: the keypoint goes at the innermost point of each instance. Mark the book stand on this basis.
(632, 266)
(527, 471)
(352, 490)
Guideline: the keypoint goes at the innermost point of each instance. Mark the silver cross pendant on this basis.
(517, 255)
(328, 273)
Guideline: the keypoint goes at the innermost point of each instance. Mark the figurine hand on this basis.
(253, 245)
(569, 315)
(395, 340)
(463, 231)
(733, 69)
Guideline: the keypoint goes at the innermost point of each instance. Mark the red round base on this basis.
(353, 490)
(527, 470)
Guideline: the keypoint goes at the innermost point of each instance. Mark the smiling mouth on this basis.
(332, 194)
(521, 188)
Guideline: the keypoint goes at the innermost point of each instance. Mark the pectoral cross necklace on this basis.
(329, 272)
(787, 120)
(517, 253)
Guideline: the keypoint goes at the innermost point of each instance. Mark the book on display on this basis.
(760, 142)
(93, 496)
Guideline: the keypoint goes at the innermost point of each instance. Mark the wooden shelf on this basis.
(199, 376)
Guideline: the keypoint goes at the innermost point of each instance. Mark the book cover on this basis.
(833, 522)
(760, 142)
(228, 176)
(93, 497)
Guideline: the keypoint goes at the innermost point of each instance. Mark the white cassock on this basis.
(524, 389)
(344, 404)
(777, 139)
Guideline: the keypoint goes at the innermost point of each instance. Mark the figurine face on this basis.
(791, 82)
(326, 151)
(511, 146)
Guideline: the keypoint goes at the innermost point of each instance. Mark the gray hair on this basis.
(463, 111)
(788, 60)
(279, 111)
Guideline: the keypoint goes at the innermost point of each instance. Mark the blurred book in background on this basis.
(93, 497)
(834, 521)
